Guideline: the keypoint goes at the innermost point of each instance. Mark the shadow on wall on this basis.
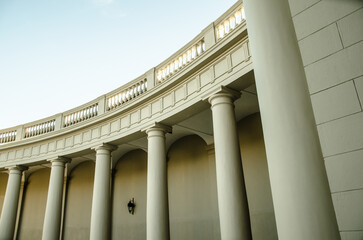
(77, 218)
(34, 202)
(3, 183)
(129, 181)
(255, 170)
(193, 208)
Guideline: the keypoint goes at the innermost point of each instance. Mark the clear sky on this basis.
(58, 54)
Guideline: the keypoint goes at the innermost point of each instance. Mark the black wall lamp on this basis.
(131, 206)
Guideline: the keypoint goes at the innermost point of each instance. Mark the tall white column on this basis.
(301, 196)
(100, 214)
(53, 210)
(157, 209)
(232, 199)
(10, 205)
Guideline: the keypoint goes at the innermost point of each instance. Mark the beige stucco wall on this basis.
(330, 35)
(129, 182)
(256, 176)
(79, 202)
(193, 208)
(3, 183)
(34, 201)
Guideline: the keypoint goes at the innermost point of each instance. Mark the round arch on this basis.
(129, 181)
(193, 207)
(78, 201)
(33, 207)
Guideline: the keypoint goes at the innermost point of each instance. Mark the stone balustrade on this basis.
(126, 94)
(40, 128)
(171, 68)
(8, 136)
(181, 61)
(81, 115)
(230, 23)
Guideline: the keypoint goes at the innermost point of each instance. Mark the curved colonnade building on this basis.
(189, 151)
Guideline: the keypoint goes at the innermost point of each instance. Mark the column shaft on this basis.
(301, 196)
(18, 214)
(10, 205)
(65, 181)
(53, 210)
(101, 194)
(232, 199)
(157, 213)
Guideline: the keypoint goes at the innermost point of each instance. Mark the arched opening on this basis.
(77, 216)
(34, 202)
(192, 190)
(129, 181)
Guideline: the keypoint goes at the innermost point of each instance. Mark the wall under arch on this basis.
(129, 181)
(257, 179)
(3, 184)
(78, 203)
(33, 206)
(193, 207)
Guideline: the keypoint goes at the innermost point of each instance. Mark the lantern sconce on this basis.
(131, 206)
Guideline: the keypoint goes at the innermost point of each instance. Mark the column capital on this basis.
(60, 159)
(221, 91)
(17, 168)
(104, 146)
(157, 127)
(223, 95)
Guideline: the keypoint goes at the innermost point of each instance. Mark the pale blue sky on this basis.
(58, 54)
